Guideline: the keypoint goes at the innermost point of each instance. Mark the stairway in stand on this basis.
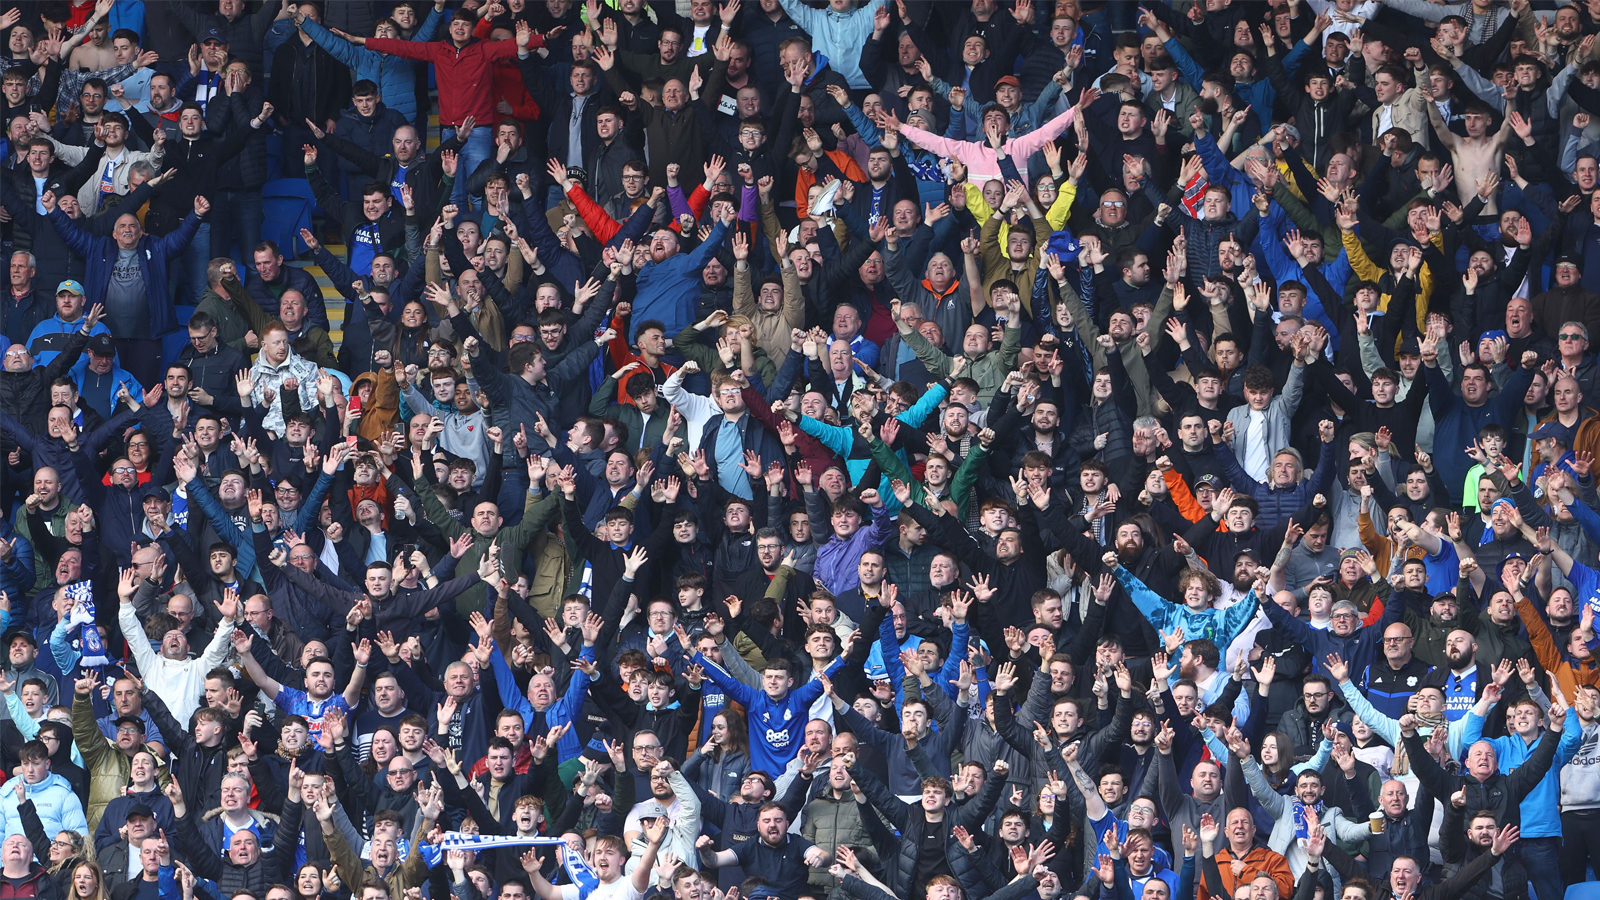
(330, 295)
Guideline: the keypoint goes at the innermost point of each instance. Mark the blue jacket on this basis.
(16, 574)
(1359, 649)
(54, 332)
(838, 36)
(155, 254)
(58, 806)
(1218, 626)
(776, 726)
(1259, 94)
(560, 712)
(395, 77)
(840, 440)
(1541, 808)
(668, 290)
(1455, 424)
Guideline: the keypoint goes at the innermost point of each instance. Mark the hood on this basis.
(50, 782)
(261, 818)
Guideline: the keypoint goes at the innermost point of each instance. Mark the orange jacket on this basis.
(804, 181)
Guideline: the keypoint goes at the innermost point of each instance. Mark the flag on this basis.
(89, 643)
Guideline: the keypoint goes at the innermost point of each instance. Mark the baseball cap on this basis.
(1409, 348)
(130, 720)
(156, 491)
(1212, 479)
(70, 287)
(213, 34)
(1555, 430)
(101, 345)
(652, 809)
(1009, 79)
(138, 809)
(23, 633)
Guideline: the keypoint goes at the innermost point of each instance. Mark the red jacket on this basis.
(465, 76)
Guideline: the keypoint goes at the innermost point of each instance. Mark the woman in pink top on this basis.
(981, 159)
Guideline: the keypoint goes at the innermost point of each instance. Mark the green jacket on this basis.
(513, 541)
(640, 433)
(688, 343)
(988, 369)
(232, 314)
(961, 482)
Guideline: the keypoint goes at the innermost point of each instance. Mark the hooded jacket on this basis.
(58, 806)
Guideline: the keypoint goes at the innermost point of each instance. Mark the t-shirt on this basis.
(296, 702)
(363, 247)
(1460, 693)
(621, 889)
(1444, 568)
(127, 301)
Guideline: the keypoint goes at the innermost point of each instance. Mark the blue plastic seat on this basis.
(287, 205)
(1584, 890)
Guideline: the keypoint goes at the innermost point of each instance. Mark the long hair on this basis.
(100, 892)
(738, 736)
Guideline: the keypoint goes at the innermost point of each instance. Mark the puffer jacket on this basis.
(719, 777)
(900, 854)
(952, 310)
(26, 395)
(58, 806)
(831, 821)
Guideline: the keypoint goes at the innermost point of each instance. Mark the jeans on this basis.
(479, 147)
(190, 283)
(236, 215)
(1542, 858)
(1580, 844)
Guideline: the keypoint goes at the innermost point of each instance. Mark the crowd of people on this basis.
(822, 449)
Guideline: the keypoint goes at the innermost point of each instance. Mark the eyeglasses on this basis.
(751, 132)
(1396, 640)
(1309, 695)
(1113, 204)
(647, 748)
(1574, 336)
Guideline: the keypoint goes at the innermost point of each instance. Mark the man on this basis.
(115, 165)
(28, 301)
(463, 64)
(203, 753)
(608, 858)
(273, 278)
(1390, 683)
(665, 284)
(308, 84)
(782, 858)
(57, 806)
(1287, 810)
(370, 226)
(211, 365)
(52, 334)
(172, 672)
(128, 274)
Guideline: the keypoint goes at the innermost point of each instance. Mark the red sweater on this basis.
(465, 75)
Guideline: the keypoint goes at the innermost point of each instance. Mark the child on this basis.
(1491, 446)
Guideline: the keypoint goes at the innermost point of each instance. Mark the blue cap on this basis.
(71, 287)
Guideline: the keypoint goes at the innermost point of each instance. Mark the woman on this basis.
(720, 765)
(308, 882)
(85, 881)
(384, 747)
(411, 338)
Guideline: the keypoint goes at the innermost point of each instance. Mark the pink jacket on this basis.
(979, 158)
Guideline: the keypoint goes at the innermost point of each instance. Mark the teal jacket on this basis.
(1220, 626)
(841, 440)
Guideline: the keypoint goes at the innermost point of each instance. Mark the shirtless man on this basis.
(1476, 156)
(90, 50)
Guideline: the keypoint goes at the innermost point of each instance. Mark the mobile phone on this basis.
(355, 405)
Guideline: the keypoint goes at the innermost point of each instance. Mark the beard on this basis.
(1188, 670)
(1244, 582)
(1128, 552)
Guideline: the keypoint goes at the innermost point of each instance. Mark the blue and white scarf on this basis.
(577, 867)
(89, 643)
